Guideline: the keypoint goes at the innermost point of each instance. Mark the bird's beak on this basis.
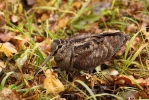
(45, 62)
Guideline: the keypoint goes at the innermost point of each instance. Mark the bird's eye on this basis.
(59, 46)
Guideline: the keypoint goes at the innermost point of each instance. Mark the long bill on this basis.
(45, 62)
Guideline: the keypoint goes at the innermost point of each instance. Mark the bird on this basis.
(85, 51)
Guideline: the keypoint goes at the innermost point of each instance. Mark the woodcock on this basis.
(86, 51)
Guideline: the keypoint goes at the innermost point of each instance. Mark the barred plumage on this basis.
(86, 51)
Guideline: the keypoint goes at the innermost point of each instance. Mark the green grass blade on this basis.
(54, 8)
(131, 19)
(81, 11)
(137, 53)
(87, 88)
(67, 8)
(134, 57)
(129, 44)
(4, 80)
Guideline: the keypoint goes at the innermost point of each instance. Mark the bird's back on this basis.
(87, 51)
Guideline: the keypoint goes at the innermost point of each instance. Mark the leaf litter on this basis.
(30, 26)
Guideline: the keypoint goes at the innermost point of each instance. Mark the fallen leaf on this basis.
(7, 94)
(62, 99)
(130, 95)
(7, 48)
(143, 95)
(52, 84)
(134, 7)
(20, 61)
(131, 81)
(62, 23)
(99, 5)
(53, 18)
(2, 5)
(136, 42)
(141, 81)
(39, 38)
(113, 72)
(2, 20)
(121, 51)
(147, 64)
(144, 31)
(30, 2)
(94, 28)
(131, 28)
(19, 42)
(124, 80)
(44, 17)
(5, 37)
(15, 18)
(2, 65)
(75, 5)
(45, 46)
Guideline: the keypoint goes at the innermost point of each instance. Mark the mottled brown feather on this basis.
(86, 51)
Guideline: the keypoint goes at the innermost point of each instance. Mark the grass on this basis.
(4, 80)
(80, 18)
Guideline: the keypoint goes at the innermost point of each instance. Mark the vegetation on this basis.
(27, 28)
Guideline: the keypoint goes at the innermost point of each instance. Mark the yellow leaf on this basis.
(51, 83)
(147, 64)
(63, 22)
(7, 48)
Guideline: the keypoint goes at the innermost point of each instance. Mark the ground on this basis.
(27, 28)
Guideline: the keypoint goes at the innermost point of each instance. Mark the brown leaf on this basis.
(2, 65)
(30, 2)
(2, 5)
(7, 94)
(141, 82)
(39, 38)
(121, 51)
(2, 20)
(19, 42)
(44, 17)
(94, 28)
(15, 18)
(131, 28)
(5, 37)
(76, 5)
(145, 33)
(130, 95)
(124, 80)
(136, 42)
(62, 99)
(45, 46)
(98, 5)
(143, 95)
(147, 64)
(63, 22)
(131, 81)
(134, 7)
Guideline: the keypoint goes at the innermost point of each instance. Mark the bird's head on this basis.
(56, 45)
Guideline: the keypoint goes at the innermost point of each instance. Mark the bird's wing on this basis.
(94, 50)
